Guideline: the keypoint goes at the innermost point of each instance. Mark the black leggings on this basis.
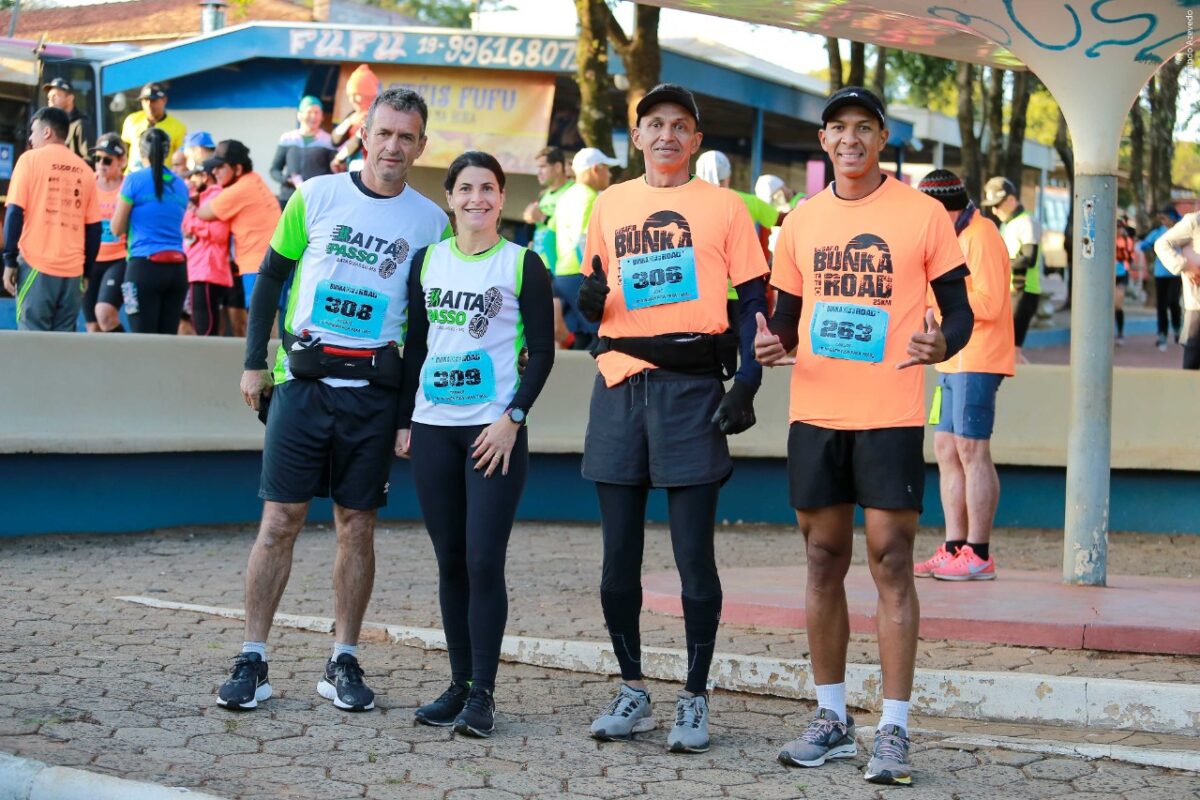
(1191, 340)
(469, 519)
(692, 511)
(154, 295)
(95, 279)
(207, 301)
(1024, 310)
(1167, 292)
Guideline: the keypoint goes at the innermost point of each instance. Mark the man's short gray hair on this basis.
(400, 100)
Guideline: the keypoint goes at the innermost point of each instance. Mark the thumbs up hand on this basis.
(593, 292)
(928, 347)
(768, 350)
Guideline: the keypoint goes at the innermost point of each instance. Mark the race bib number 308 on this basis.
(349, 310)
(849, 331)
(459, 379)
(656, 279)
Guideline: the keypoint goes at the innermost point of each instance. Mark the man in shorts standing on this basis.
(348, 239)
(660, 251)
(1023, 235)
(853, 266)
(964, 405)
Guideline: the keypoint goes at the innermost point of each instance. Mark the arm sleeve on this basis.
(536, 302)
(1169, 247)
(278, 163)
(785, 322)
(263, 304)
(958, 319)
(14, 224)
(91, 245)
(752, 300)
(416, 343)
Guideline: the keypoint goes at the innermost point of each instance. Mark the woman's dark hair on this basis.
(156, 144)
(473, 158)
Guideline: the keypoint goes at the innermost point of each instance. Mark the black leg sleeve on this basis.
(623, 521)
(693, 512)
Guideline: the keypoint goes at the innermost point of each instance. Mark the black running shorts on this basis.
(656, 429)
(882, 468)
(327, 441)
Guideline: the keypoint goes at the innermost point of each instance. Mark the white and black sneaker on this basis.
(247, 684)
(343, 684)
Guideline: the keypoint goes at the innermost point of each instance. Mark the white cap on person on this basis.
(713, 167)
(766, 186)
(590, 157)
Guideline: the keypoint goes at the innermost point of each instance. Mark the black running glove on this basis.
(736, 412)
(592, 292)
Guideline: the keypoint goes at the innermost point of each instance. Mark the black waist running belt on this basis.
(687, 353)
(311, 360)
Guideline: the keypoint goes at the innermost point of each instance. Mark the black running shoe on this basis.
(343, 684)
(442, 712)
(478, 717)
(247, 685)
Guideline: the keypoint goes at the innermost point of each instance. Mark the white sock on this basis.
(895, 712)
(339, 648)
(256, 647)
(832, 696)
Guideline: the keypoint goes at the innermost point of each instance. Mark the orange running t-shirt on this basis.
(992, 348)
(112, 248)
(863, 268)
(669, 254)
(57, 190)
(252, 211)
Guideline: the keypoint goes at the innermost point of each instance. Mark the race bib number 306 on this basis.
(459, 379)
(849, 331)
(656, 279)
(349, 310)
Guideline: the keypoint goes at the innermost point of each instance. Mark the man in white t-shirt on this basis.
(334, 392)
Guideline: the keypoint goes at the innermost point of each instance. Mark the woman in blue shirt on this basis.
(150, 208)
(1168, 288)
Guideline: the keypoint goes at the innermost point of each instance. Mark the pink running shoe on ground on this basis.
(940, 559)
(967, 566)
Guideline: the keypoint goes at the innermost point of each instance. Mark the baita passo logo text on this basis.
(662, 230)
(470, 310)
(366, 251)
(863, 268)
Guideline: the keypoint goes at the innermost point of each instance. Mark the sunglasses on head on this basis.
(106, 160)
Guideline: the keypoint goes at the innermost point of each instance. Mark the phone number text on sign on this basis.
(460, 50)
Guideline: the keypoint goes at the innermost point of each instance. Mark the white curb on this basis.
(1185, 760)
(25, 779)
(1101, 703)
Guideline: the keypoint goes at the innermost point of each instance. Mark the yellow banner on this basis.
(506, 114)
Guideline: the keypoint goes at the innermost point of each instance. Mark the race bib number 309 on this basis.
(849, 331)
(656, 279)
(349, 310)
(459, 379)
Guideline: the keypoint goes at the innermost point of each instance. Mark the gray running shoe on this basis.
(690, 732)
(825, 737)
(889, 760)
(626, 715)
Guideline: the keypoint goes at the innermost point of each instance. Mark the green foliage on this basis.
(923, 80)
(1185, 170)
(442, 13)
(1041, 119)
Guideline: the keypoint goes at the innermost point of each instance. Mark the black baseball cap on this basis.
(668, 93)
(110, 144)
(995, 190)
(58, 83)
(153, 91)
(229, 151)
(854, 96)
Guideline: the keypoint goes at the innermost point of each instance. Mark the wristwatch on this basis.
(517, 415)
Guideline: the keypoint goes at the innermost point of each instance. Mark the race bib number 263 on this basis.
(849, 331)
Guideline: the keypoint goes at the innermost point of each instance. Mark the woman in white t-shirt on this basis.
(483, 300)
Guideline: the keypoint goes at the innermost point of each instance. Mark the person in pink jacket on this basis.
(207, 258)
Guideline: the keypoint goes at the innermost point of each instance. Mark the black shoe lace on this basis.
(479, 701)
(244, 668)
(349, 671)
(623, 705)
(687, 712)
(450, 695)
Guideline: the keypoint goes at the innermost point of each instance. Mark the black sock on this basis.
(1120, 312)
(953, 546)
(981, 550)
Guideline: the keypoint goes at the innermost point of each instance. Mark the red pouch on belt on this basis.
(168, 257)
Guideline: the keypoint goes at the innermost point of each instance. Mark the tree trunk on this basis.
(1164, 93)
(971, 168)
(1014, 159)
(833, 48)
(591, 75)
(879, 79)
(1066, 154)
(1137, 164)
(642, 58)
(858, 65)
(994, 123)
